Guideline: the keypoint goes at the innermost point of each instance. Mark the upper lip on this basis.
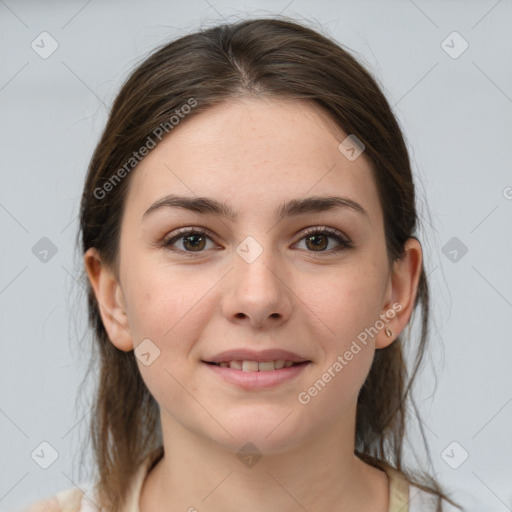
(243, 354)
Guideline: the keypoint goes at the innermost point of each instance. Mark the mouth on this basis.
(252, 370)
(257, 366)
(254, 376)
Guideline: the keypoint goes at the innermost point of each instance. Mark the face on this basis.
(255, 281)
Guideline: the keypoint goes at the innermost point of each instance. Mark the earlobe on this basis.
(402, 293)
(109, 297)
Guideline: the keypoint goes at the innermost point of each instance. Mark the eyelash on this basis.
(330, 232)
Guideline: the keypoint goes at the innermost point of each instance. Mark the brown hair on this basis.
(274, 57)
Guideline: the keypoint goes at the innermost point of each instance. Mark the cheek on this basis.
(346, 304)
(345, 309)
(168, 308)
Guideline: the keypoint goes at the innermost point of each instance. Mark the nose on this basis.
(258, 292)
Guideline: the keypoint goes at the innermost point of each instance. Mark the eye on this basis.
(192, 240)
(317, 239)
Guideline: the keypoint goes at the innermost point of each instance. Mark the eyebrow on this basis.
(294, 207)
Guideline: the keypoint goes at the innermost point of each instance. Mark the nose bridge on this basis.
(257, 267)
(257, 290)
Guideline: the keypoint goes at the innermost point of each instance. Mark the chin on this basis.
(271, 432)
(258, 444)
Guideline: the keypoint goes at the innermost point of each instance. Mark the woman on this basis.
(247, 225)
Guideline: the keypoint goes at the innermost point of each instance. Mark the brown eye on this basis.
(317, 240)
(192, 240)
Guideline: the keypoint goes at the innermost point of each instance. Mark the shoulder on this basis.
(77, 500)
(405, 496)
(421, 501)
(68, 500)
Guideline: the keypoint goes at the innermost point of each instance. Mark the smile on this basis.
(256, 366)
(257, 375)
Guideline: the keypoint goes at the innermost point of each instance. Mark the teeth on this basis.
(254, 366)
(265, 366)
(250, 366)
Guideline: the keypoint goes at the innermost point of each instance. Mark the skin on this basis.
(255, 155)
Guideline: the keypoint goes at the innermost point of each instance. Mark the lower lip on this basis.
(257, 380)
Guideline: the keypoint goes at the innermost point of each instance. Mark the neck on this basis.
(198, 474)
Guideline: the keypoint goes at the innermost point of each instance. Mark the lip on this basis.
(244, 354)
(258, 380)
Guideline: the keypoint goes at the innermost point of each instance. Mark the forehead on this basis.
(248, 152)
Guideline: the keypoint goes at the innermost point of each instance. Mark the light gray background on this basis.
(456, 114)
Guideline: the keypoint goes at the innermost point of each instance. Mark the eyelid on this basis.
(179, 233)
(343, 241)
(323, 229)
(187, 229)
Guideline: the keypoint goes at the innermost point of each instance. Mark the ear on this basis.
(401, 294)
(110, 300)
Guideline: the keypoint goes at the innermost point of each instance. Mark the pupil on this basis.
(197, 243)
(190, 237)
(312, 237)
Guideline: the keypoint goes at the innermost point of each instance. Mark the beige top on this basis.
(402, 496)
